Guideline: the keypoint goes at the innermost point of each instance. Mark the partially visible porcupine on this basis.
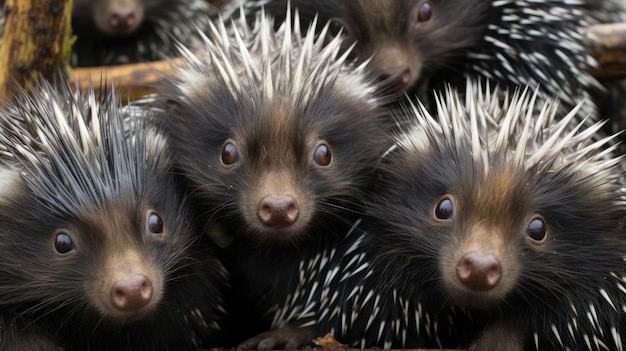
(421, 45)
(98, 250)
(113, 32)
(277, 135)
(612, 105)
(495, 228)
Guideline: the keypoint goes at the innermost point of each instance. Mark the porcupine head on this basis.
(406, 40)
(93, 226)
(521, 214)
(274, 129)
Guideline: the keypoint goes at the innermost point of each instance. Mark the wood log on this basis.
(133, 80)
(36, 42)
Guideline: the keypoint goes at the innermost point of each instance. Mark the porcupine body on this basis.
(494, 224)
(277, 136)
(98, 247)
(113, 32)
(416, 46)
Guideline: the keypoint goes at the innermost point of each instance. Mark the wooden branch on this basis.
(608, 47)
(134, 80)
(35, 42)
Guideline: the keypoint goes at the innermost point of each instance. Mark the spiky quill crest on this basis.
(511, 131)
(66, 148)
(71, 164)
(262, 64)
(384, 287)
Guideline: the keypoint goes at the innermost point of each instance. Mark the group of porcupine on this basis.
(400, 174)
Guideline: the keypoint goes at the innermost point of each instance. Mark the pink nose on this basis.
(478, 272)
(396, 78)
(122, 18)
(131, 294)
(278, 211)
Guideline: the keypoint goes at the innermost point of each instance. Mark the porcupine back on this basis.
(417, 46)
(113, 32)
(98, 247)
(277, 136)
(495, 228)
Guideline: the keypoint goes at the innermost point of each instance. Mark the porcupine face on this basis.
(510, 215)
(92, 223)
(119, 17)
(407, 39)
(280, 149)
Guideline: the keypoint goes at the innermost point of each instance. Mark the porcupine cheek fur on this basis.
(480, 265)
(124, 284)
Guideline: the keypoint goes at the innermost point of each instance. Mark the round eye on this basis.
(444, 209)
(63, 243)
(335, 26)
(155, 224)
(322, 155)
(424, 12)
(537, 230)
(230, 155)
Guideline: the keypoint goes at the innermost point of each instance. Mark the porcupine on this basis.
(494, 228)
(98, 247)
(416, 46)
(113, 32)
(276, 134)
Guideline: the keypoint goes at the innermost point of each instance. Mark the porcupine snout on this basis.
(132, 293)
(397, 78)
(122, 17)
(393, 67)
(479, 272)
(277, 211)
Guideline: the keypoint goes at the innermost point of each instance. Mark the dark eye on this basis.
(335, 26)
(230, 155)
(155, 224)
(322, 155)
(537, 230)
(424, 12)
(444, 209)
(63, 243)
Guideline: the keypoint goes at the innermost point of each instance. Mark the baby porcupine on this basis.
(98, 250)
(420, 45)
(494, 227)
(111, 32)
(277, 136)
